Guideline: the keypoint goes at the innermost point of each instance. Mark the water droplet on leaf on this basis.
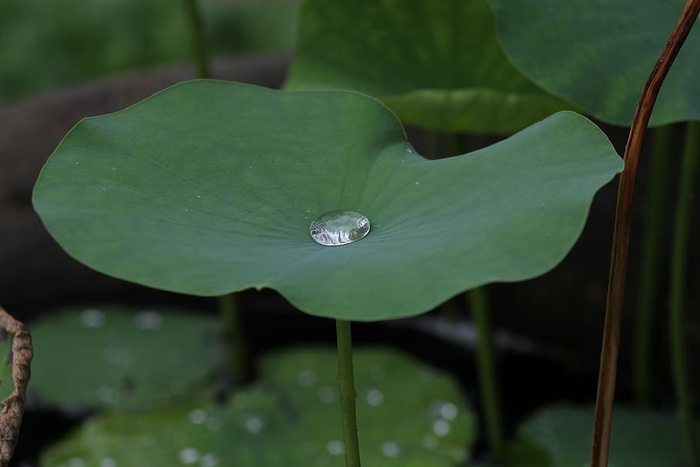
(148, 320)
(391, 449)
(209, 460)
(189, 455)
(214, 423)
(430, 442)
(375, 397)
(306, 378)
(253, 424)
(339, 227)
(327, 394)
(441, 428)
(92, 318)
(107, 395)
(198, 416)
(448, 411)
(335, 447)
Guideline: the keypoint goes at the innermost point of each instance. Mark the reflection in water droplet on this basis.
(306, 378)
(148, 320)
(198, 416)
(209, 460)
(253, 424)
(92, 318)
(189, 455)
(108, 462)
(340, 227)
(335, 447)
(448, 411)
(441, 428)
(391, 449)
(375, 397)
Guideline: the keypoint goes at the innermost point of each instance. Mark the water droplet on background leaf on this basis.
(92, 318)
(375, 397)
(391, 449)
(148, 320)
(340, 227)
(335, 447)
(254, 424)
(189, 455)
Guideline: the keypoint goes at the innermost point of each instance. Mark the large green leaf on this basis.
(408, 416)
(120, 358)
(436, 64)
(560, 436)
(598, 54)
(210, 187)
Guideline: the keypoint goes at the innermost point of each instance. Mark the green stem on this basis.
(486, 369)
(199, 42)
(691, 155)
(346, 382)
(238, 360)
(649, 282)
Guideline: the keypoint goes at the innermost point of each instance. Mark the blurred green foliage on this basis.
(45, 44)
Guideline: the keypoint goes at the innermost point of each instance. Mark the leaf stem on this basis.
(618, 266)
(486, 369)
(238, 357)
(647, 302)
(691, 155)
(199, 42)
(346, 383)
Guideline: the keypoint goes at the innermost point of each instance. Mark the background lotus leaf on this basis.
(6, 383)
(291, 418)
(560, 436)
(438, 65)
(599, 54)
(209, 187)
(94, 357)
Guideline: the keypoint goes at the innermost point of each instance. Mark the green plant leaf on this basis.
(598, 55)
(210, 187)
(409, 415)
(560, 436)
(438, 65)
(123, 359)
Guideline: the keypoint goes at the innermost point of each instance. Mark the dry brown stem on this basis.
(13, 406)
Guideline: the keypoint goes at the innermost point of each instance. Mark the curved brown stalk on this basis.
(618, 266)
(13, 406)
